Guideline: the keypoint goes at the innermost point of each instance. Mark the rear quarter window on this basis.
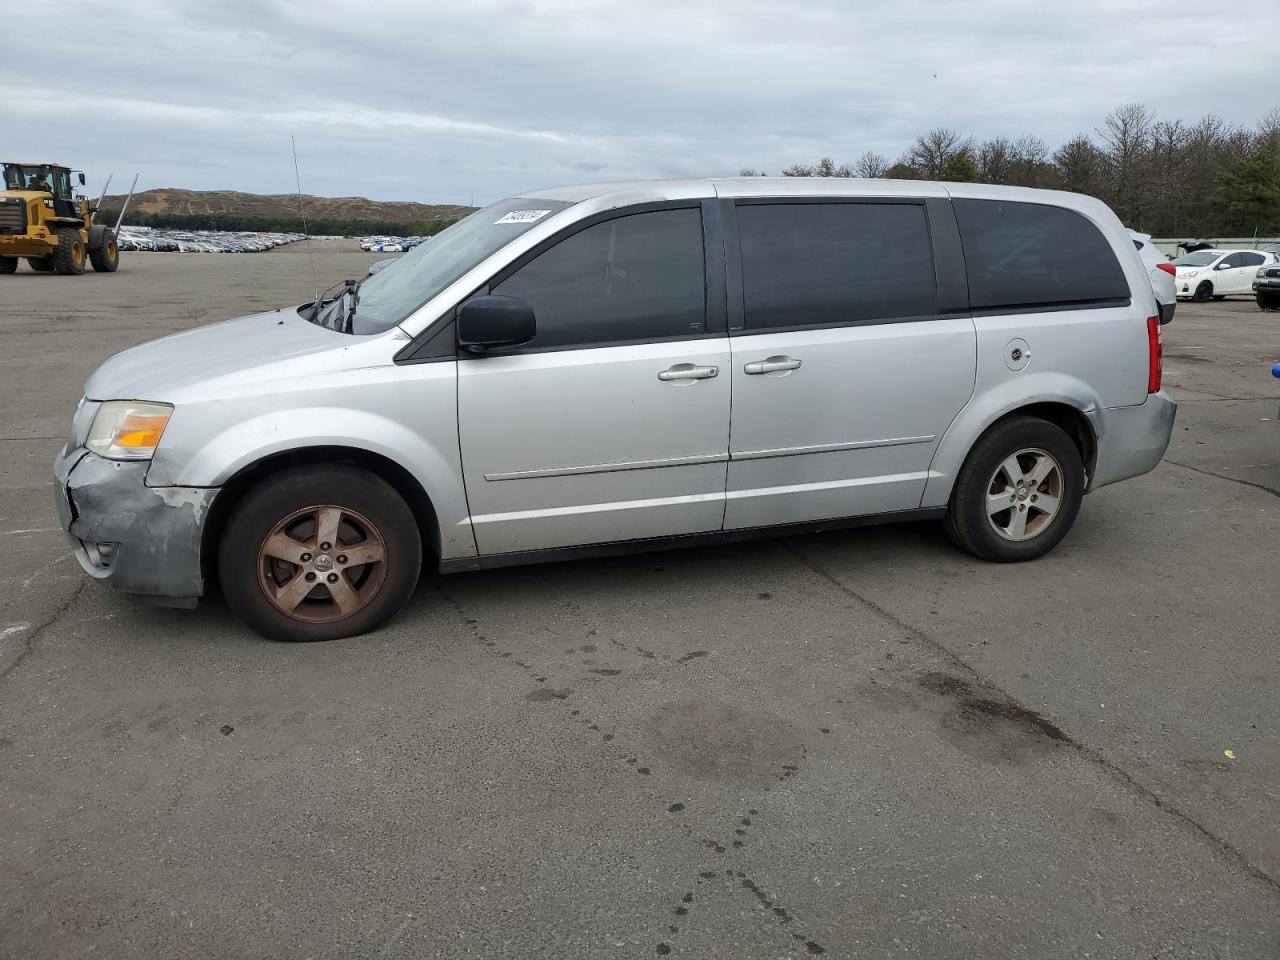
(1035, 255)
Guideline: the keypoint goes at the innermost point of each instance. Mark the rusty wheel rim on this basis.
(77, 253)
(321, 564)
(111, 250)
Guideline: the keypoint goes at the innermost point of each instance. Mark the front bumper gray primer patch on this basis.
(156, 530)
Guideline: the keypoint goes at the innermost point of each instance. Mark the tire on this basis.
(1203, 292)
(8, 264)
(40, 264)
(1267, 301)
(284, 515)
(70, 256)
(104, 249)
(1027, 442)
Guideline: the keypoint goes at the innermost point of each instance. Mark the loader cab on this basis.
(45, 178)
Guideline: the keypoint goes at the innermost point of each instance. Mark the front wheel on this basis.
(1268, 301)
(68, 259)
(8, 264)
(1018, 492)
(318, 553)
(41, 264)
(1203, 292)
(104, 250)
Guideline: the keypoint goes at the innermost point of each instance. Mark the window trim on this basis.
(736, 282)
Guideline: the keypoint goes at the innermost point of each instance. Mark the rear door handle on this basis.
(772, 365)
(688, 371)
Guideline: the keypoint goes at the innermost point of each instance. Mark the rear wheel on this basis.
(8, 264)
(40, 264)
(319, 553)
(104, 250)
(1018, 492)
(1203, 292)
(69, 258)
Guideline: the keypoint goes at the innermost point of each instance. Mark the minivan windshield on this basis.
(1201, 258)
(382, 300)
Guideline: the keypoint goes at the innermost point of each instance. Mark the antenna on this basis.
(297, 179)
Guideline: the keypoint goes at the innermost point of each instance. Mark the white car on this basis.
(1217, 274)
(1161, 272)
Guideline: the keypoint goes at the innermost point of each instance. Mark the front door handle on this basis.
(688, 371)
(772, 365)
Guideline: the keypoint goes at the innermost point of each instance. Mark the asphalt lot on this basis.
(863, 744)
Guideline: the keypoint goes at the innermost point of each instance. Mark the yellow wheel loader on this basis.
(43, 220)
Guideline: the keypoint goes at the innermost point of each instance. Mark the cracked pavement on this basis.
(855, 744)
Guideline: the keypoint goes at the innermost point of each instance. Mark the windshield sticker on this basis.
(522, 216)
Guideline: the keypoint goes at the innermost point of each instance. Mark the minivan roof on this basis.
(639, 191)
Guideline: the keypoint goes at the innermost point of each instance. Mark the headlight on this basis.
(1262, 272)
(128, 429)
(1192, 275)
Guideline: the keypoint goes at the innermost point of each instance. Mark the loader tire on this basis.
(70, 256)
(104, 250)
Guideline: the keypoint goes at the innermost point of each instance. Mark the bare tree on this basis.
(798, 170)
(995, 160)
(1126, 140)
(871, 165)
(1079, 165)
(931, 151)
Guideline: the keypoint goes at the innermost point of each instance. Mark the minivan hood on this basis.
(159, 369)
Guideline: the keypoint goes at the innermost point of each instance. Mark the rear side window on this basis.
(1033, 255)
(814, 264)
(638, 277)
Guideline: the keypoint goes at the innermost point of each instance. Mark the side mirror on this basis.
(82, 179)
(490, 323)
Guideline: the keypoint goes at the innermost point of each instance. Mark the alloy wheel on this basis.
(1024, 494)
(322, 563)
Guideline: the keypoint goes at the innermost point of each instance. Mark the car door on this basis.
(1249, 264)
(1229, 275)
(612, 424)
(846, 373)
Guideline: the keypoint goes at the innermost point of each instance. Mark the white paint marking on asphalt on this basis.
(42, 570)
(10, 630)
(14, 533)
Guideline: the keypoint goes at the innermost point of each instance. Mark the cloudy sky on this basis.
(445, 101)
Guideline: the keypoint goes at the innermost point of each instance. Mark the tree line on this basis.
(1163, 177)
(268, 223)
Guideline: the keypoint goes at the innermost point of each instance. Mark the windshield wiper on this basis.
(318, 305)
(348, 321)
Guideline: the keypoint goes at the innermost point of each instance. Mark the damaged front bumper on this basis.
(144, 540)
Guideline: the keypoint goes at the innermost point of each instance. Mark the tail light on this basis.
(1155, 355)
(1168, 268)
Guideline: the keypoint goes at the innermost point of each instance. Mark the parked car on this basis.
(551, 377)
(1266, 286)
(1216, 274)
(1161, 272)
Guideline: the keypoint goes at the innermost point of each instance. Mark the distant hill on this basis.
(171, 201)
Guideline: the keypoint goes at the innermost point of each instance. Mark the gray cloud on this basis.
(427, 101)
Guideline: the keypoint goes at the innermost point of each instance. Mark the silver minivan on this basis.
(618, 366)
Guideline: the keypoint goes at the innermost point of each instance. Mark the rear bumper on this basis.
(144, 540)
(1132, 440)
